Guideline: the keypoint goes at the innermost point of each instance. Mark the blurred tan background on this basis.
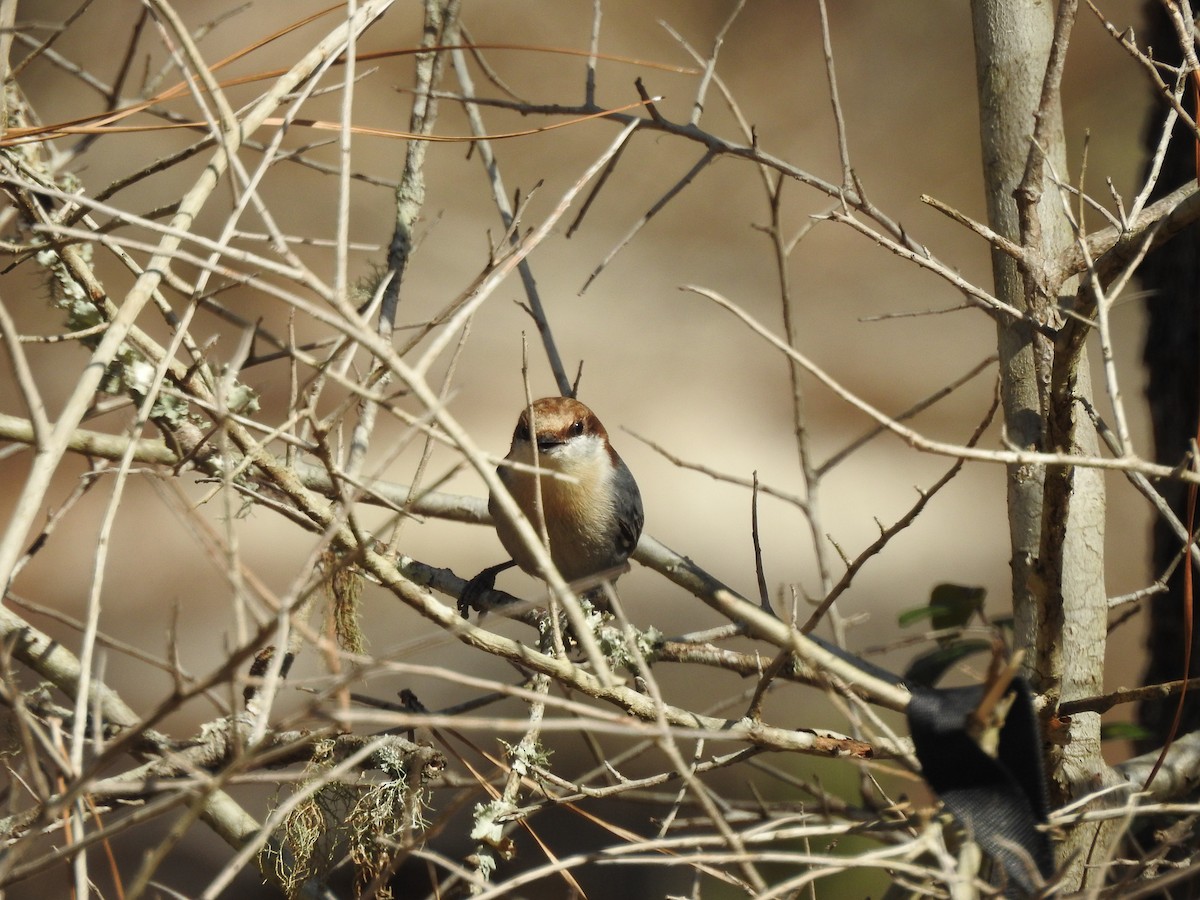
(658, 362)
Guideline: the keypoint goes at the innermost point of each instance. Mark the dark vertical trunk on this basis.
(1172, 276)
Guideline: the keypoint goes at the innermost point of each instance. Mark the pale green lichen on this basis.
(129, 373)
(242, 400)
(615, 644)
(526, 756)
(363, 821)
(489, 824)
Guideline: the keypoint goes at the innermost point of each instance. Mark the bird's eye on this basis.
(577, 427)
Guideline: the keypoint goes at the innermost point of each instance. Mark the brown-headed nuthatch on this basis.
(589, 501)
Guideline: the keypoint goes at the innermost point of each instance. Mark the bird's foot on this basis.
(485, 581)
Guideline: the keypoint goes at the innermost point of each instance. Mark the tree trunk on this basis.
(1056, 517)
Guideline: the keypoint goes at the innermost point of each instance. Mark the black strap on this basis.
(999, 800)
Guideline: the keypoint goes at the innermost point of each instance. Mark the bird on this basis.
(593, 515)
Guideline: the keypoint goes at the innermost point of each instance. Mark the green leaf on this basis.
(950, 606)
(953, 605)
(1124, 731)
(927, 668)
(911, 616)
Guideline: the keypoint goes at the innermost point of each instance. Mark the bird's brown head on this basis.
(557, 421)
